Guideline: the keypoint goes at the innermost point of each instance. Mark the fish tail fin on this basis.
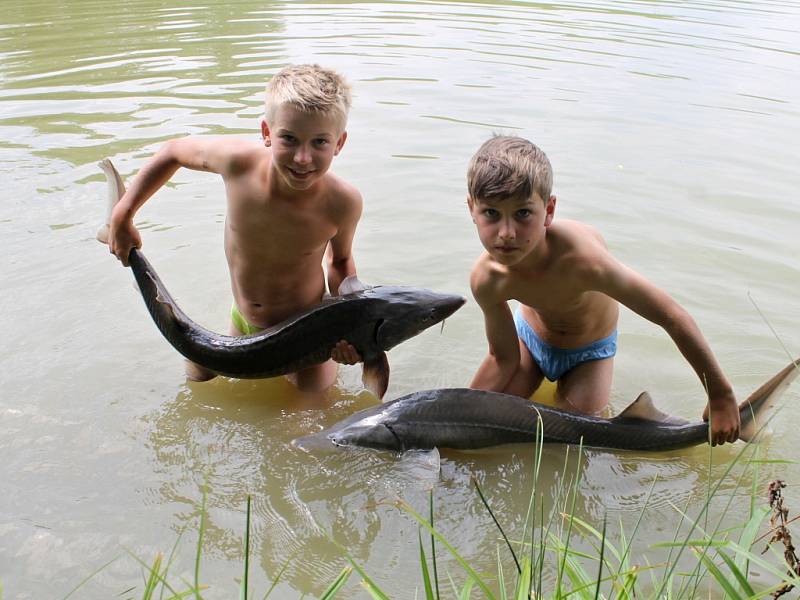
(375, 374)
(116, 189)
(756, 410)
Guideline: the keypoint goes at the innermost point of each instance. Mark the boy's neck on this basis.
(536, 259)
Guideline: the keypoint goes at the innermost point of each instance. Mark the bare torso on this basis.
(275, 244)
(553, 294)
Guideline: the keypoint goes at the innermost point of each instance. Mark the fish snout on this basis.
(447, 306)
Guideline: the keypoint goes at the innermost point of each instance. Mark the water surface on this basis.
(671, 127)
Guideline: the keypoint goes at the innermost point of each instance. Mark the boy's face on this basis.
(510, 229)
(303, 144)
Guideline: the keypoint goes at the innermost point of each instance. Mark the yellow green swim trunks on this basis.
(241, 323)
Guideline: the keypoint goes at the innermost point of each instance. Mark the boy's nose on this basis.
(506, 231)
(302, 156)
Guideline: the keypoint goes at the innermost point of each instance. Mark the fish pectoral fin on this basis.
(643, 409)
(375, 374)
(351, 285)
(420, 467)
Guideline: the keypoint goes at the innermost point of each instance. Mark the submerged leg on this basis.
(195, 372)
(315, 379)
(527, 378)
(586, 388)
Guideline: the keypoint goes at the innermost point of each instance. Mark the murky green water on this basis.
(672, 127)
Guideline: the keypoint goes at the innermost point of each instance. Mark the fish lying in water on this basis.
(466, 418)
(372, 319)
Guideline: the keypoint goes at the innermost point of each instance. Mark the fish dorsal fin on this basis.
(351, 285)
(643, 409)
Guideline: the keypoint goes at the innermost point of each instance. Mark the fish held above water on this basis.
(467, 419)
(372, 319)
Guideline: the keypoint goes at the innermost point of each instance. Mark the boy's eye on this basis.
(524, 213)
(490, 212)
(288, 138)
(320, 141)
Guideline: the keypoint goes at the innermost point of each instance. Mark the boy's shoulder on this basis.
(574, 242)
(244, 155)
(487, 279)
(569, 232)
(343, 196)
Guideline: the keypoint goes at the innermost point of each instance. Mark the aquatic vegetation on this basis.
(703, 557)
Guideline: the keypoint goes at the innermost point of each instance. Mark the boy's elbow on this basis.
(340, 263)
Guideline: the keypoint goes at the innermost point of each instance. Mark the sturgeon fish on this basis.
(373, 319)
(466, 419)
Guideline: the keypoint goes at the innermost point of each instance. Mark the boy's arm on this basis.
(202, 154)
(655, 305)
(339, 253)
(340, 263)
(502, 362)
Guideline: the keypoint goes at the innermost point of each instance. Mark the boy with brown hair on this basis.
(285, 210)
(568, 286)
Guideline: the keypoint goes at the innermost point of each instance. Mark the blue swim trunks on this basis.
(553, 361)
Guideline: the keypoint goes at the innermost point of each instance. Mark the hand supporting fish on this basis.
(372, 319)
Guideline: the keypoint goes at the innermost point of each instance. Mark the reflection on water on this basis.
(667, 124)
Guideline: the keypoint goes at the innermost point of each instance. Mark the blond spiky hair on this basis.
(506, 167)
(310, 88)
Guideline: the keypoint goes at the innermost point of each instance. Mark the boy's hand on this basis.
(724, 418)
(121, 238)
(345, 353)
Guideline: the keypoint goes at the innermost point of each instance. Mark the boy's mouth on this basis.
(300, 174)
(506, 249)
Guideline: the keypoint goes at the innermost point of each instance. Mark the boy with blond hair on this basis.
(568, 286)
(285, 210)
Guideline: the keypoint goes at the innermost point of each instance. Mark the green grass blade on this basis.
(173, 554)
(464, 564)
(279, 575)
(86, 579)
(501, 580)
(523, 591)
(160, 576)
(337, 584)
(433, 547)
(599, 535)
(466, 591)
(673, 563)
(367, 581)
(497, 523)
(423, 561)
(153, 579)
(602, 549)
(748, 536)
(200, 534)
(570, 519)
(721, 579)
(741, 578)
(243, 589)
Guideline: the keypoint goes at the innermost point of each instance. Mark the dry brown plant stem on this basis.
(778, 522)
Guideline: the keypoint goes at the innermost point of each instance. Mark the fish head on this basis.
(365, 429)
(405, 312)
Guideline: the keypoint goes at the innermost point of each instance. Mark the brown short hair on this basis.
(509, 167)
(310, 88)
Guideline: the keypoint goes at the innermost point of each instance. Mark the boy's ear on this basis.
(265, 133)
(340, 142)
(549, 211)
(470, 206)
